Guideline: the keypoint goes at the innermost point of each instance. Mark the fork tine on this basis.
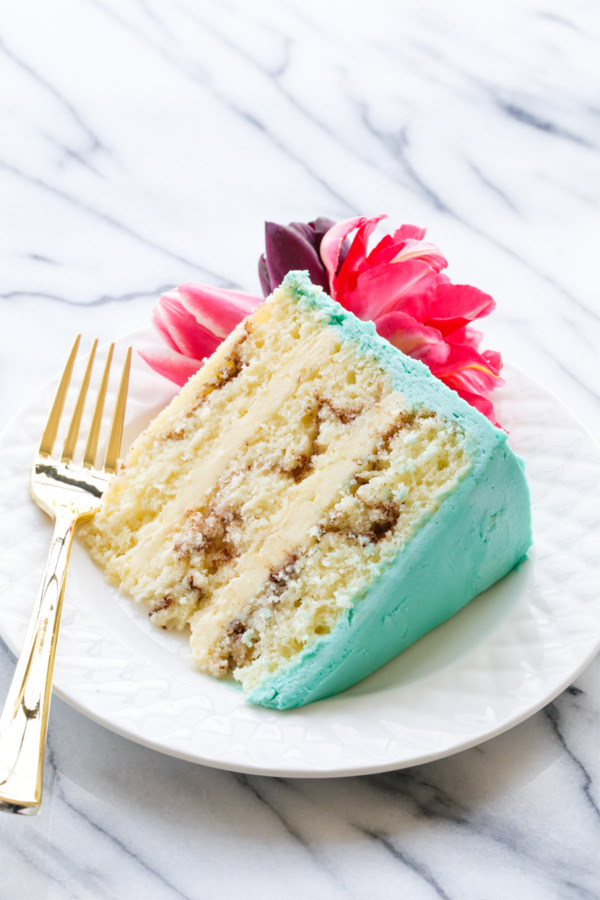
(91, 447)
(116, 431)
(71, 441)
(51, 429)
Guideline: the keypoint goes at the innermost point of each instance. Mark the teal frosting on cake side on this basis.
(476, 536)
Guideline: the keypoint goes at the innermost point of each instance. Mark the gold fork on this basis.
(70, 493)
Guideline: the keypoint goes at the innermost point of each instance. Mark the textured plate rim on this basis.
(452, 741)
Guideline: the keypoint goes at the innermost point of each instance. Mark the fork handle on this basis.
(25, 716)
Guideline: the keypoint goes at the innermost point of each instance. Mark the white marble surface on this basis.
(144, 144)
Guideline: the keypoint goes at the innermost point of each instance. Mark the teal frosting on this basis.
(476, 536)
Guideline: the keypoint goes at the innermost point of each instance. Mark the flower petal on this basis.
(407, 243)
(161, 316)
(412, 337)
(313, 232)
(171, 365)
(332, 242)
(469, 369)
(454, 305)
(383, 289)
(218, 310)
(263, 276)
(408, 233)
(466, 335)
(332, 245)
(291, 247)
(180, 329)
(424, 250)
(493, 360)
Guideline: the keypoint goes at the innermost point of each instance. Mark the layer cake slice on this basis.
(311, 503)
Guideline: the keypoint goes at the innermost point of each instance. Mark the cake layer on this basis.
(295, 501)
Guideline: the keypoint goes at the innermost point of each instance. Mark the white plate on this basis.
(506, 655)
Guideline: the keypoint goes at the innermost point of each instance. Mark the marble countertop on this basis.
(144, 145)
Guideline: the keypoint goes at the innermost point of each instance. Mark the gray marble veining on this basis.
(143, 144)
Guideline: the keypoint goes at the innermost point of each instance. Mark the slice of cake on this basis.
(311, 503)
